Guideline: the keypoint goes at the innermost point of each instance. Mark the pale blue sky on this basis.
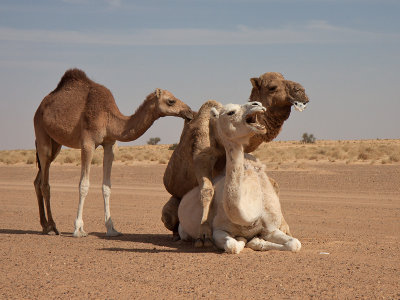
(346, 53)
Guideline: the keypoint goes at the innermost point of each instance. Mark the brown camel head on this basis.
(168, 105)
(274, 91)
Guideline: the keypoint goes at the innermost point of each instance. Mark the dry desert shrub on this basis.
(276, 152)
(11, 157)
(370, 151)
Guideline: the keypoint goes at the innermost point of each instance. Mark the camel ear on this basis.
(214, 113)
(158, 93)
(255, 82)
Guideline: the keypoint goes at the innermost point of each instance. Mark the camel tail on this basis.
(37, 158)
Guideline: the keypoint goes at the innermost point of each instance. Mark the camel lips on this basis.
(299, 106)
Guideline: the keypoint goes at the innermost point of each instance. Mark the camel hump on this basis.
(205, 108)
(72, 75)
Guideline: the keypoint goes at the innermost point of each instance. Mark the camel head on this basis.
(237, 123)
(168, 105)
(273, 90)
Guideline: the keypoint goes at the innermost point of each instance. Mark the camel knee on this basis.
(106, 189)
(84, 189)
(206, 194)
(45, 189)
(37, 185)
(169, 214)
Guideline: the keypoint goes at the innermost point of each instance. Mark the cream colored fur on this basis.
(246, 208)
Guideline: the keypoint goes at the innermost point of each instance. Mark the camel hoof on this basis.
(80, 233)
(234, 247)
(293, 245)
(198, 243)
(49, 229)
(208, 242)
(176, 237)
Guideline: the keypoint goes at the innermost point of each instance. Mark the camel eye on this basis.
(272, 88)
(232, 112)
(171, 102)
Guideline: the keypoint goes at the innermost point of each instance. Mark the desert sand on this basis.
(347, 217)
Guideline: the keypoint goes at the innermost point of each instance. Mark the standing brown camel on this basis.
(82, 114)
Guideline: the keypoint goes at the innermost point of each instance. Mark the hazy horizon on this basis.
(346, 54)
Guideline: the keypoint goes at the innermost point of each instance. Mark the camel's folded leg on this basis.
(263, 245)
(204, 164)
(224, 240)
(278, 237)
(169, 216)
(258, 244)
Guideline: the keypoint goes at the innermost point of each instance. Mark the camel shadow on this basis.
(18, 231)
(157, 240)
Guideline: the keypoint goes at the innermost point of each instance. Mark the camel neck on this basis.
(132, 127)
(274, 119)
(233, 182)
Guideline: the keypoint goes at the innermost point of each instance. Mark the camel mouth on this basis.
(188, 115)
(254, 121)
(299, 106)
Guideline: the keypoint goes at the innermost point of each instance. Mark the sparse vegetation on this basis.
(153, 141)
(308, 138)
(276, 152)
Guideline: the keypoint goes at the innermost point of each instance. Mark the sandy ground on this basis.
(346, 216)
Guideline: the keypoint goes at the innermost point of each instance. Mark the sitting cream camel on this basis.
(245, 205)
(198, 157)
(82, 114)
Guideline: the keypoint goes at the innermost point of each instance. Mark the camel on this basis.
(199, 157)
(82, 114)
(246, 206)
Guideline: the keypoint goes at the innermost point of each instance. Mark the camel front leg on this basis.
(204, 165)
(258, 244)
(86, 159)
(224, 240)
(107, 165)
(206, 195)
(287, 242)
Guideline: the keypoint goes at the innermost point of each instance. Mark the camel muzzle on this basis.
(299, 106)
(188, 115)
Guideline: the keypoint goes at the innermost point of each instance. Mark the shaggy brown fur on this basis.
(199, 154)
(81, 113)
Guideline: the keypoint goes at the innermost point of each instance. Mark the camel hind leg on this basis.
(46, 151)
